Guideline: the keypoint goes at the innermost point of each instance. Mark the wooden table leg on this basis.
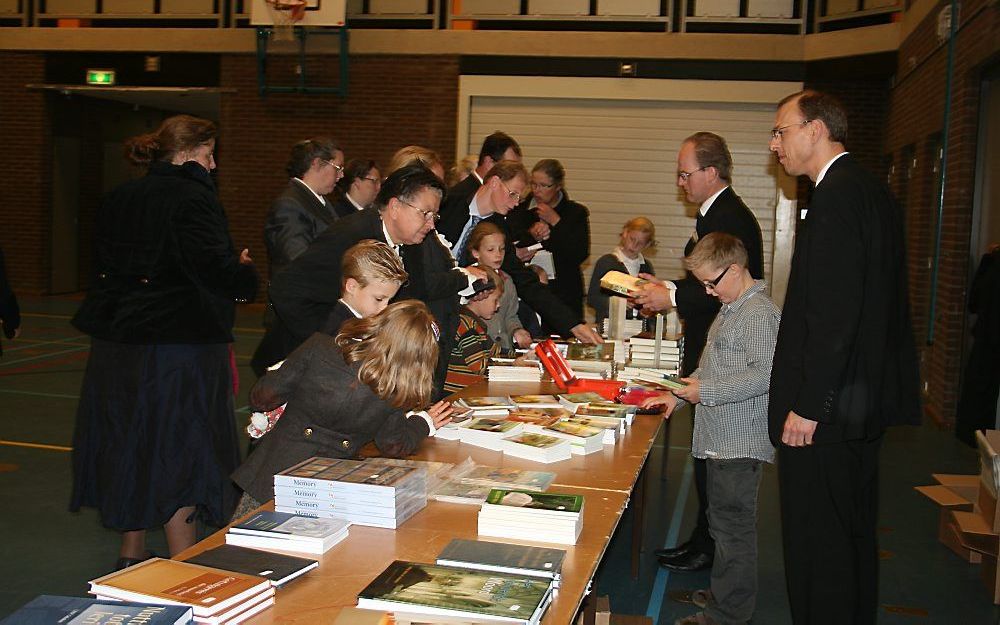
(638, 500)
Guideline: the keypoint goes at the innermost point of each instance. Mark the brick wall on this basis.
(392, 101)
(916, 110)
(24, 186)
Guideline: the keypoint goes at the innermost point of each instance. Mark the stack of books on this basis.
(583, 439)
(545, 517)
(277, 567)
(509, 373)
(48, 609)
(537, 447)
(448, 592)
(215, 596)
(630, 327)
(484, 555)
(490, 406)
(536, 401)
(643, 351)
(572, 401)
(488, 432)
(536, 419)
(624, 412)
(363, 492)
(612, 427)
(288, 532)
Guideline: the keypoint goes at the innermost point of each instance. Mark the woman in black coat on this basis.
(345, 392)
(155, 437)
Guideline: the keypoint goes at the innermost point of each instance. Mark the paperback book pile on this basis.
(624, 412)
(447, 591)
(536, 401)
(545, 562)
(630, 327)
(545, 517)
(583, 439)
(612, 427)
(536, 419)
(510, 373)
(215, 596)
(643, 351)
(472, 483)
(49, 609)
(572, 401)
(537, 447)
(363, 492)
(277, 567)
(488, 432)
(288, 532)
(486, 406)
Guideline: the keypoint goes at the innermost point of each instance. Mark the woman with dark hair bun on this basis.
(155, 437)
(358, 188)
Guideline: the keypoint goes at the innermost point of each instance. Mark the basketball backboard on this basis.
(317, 13)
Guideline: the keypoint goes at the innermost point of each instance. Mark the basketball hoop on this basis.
(286, 14)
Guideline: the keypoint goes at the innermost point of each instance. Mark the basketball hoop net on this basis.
(286, 14)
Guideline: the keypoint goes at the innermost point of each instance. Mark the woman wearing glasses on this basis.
(551, 221)
(358, 188)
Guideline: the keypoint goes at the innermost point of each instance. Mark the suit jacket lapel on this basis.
(309, 201)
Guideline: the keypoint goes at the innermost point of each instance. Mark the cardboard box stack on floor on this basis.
(970, 517)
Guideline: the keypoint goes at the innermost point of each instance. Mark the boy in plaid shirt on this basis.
(730, 393)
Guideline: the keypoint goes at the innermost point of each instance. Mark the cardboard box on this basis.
(988, 573)
(988, 442)
(986, 504)
(966, 486)
(948, 533)
(975, 533)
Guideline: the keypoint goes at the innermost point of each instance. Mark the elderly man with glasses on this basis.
(704, 172)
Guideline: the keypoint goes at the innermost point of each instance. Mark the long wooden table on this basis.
(606, 480)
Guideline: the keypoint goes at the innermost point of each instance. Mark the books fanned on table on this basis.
(572, 401)
(583, 439)
(277, 567)
(545, 517)
(486, 406)
(622, 283)
(612, 427)
(519, 479)
(504, 558)
(49, 609)
(458, 592)
(534, 419)
(537, 447)
(288, 532)
(363, 492)
(608, 409)
(488, 432)
(216, 596)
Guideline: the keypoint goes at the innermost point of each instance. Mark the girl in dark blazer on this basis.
(637, 235)
(345, 392)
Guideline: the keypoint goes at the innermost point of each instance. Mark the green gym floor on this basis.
(47, 549)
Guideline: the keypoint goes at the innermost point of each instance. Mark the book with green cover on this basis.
(455, 591)
(503, 557)
(554, 502)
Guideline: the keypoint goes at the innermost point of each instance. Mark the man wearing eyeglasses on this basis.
(403, 215)
(845, 366)
(302, 212)
(704, 173)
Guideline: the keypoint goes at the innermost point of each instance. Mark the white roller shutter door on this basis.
(621, 160)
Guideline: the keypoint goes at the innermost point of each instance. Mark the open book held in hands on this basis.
(622, 283)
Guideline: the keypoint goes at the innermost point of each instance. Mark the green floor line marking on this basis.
(35, 343)
(37, 394)
(36, 445)
(7, 363)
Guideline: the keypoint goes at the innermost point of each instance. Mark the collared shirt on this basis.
(355, 204)
(350, 308)
(478, 177)
(631, 264)
(322, 200)
(822, 172)
(702, 210)
(389, 241)
(735, 374)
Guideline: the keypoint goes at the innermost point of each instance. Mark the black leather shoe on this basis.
(124, 563)
(673, 552)
(688, 562)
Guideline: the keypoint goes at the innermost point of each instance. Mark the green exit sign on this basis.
(100, 76)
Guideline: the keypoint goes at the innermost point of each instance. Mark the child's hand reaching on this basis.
(440, 413)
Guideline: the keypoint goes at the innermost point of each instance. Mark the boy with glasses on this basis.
(730, 392)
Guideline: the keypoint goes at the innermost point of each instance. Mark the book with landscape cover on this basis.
(503, 557)
(622, 283)
(209, 591)
(49, 609)
(575, 429)
(277, 567)
(290, 526)
(316, 472)
(538, 441)
(559, 503)
(538, 416)
(496, 426)
(485, 403)
(604, 352)
(460, 492)
(508, 478)
(455, 591)
(536, 401)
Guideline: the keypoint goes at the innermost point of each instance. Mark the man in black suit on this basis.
(845, 367)
(301, 213)
(455, 218)
(704, 172)
(402, 217)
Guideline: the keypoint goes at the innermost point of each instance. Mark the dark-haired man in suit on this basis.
(845, 367)
(704, 172)
(402, 216)
(456, 220)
